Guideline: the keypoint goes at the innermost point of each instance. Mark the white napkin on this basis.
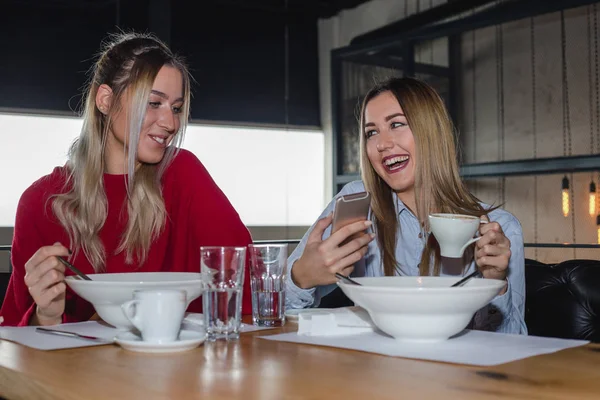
(334, 322)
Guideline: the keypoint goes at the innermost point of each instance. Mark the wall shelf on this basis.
(537, 166)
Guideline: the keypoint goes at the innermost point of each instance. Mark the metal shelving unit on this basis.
(393, 46)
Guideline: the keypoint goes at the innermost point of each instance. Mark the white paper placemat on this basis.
(470, 347)
(29, 337)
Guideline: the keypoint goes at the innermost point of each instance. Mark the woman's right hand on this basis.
(321, 259)
(44, 277)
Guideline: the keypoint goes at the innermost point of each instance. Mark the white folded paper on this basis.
(335, 322)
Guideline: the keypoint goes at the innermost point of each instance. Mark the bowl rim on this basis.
(494, 285)
(78, 281)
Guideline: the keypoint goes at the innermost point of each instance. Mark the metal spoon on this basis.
(466, 279)
(72, 268)
(72, 334)
(346, 279)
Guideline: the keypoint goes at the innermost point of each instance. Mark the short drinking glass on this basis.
(222, 269)
(268, 269)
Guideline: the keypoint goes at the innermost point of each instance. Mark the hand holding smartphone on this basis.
(348, 209)
(321, 259)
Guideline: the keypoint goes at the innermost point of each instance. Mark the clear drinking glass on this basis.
(222, 269)
(268, 269)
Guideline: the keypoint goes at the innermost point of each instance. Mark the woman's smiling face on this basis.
(390, 143)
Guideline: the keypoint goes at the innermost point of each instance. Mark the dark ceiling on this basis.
(308, 8)
(253, 61)
(318, 8)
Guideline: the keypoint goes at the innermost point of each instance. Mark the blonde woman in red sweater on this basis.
(128, 199)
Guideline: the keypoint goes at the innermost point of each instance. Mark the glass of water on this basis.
(268, 269)
(222, 270)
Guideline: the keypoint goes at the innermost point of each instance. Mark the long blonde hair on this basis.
(438, 186)
(128, 62)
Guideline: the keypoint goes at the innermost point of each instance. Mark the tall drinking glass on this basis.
(222, 269)
(268, 269)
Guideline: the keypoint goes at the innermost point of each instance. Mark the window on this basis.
(272, 177)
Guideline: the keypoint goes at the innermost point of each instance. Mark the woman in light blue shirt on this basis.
(409, 165)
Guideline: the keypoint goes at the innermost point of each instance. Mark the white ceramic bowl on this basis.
(421, 309)
(107, 292)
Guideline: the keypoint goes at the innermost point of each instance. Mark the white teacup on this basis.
(157, 314)
(454, 232)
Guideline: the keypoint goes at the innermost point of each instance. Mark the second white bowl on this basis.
(421, 309)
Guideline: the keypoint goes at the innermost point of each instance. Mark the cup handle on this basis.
(131, 313)
(471, 241)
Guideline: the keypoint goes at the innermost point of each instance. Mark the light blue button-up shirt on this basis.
(503, 314)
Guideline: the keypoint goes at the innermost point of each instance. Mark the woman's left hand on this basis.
(492, 252)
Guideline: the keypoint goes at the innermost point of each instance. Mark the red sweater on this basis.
(199, 214)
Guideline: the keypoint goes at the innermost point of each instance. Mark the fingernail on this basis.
(372, 235)
(368, 223)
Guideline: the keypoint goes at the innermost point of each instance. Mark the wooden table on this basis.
(254, 368)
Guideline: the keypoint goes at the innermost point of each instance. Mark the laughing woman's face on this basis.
(390, 143)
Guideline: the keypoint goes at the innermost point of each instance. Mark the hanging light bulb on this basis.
(592, 199)
(565, 196)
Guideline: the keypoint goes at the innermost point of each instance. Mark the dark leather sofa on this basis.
(562, 300)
